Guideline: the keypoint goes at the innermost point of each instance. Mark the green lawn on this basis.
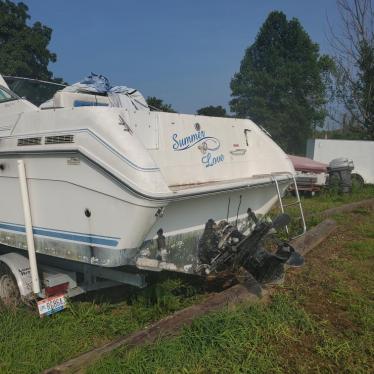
(328, 200)
(29, 344)
(321, 320)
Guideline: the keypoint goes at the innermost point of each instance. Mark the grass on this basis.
(327, 200)
(227, 342)
(323, 201)
(222, 342)
(29, 344)
(321, 321)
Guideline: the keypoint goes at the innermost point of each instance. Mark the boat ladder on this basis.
(297, 202)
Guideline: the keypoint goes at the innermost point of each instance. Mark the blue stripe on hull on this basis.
(64, 235)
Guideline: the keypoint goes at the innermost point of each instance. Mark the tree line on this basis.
(283, 83)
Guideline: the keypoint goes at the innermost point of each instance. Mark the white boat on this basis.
(114, 186)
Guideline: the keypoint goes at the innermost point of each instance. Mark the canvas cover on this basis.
(119, 96)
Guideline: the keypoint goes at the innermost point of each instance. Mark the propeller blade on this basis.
(281, 221)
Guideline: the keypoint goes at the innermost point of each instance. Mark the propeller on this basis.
(281, 221)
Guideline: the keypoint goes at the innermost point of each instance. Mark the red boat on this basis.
(310, 175)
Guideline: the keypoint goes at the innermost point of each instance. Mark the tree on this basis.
(212, 111)
(23, 48)
(158, 104)
(354, 58)
(281, 82)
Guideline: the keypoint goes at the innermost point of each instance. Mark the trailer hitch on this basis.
(223, 247)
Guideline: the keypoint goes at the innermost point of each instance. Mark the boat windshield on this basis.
(33, 90)
(7, 95)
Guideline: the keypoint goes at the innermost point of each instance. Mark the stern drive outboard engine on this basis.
(222, 247)
(340, 174)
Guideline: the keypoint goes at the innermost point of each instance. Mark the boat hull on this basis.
(184, 222)
(82, 213)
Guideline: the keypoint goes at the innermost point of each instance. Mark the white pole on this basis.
(28, 225)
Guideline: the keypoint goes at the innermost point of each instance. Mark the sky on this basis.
(184, 52)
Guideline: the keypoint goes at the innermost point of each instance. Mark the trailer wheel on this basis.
(9, 292)
(357, 181)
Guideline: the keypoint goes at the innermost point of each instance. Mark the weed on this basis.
(322, 321)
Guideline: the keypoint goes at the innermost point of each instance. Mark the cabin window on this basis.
(5, 96)
(33, 90)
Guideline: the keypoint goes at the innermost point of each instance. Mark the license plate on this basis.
(51, 305)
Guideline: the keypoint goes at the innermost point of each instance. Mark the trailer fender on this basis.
(20, 267)
(358, 179)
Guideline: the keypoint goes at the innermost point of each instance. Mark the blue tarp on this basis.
(98, 83)
(119, 96)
